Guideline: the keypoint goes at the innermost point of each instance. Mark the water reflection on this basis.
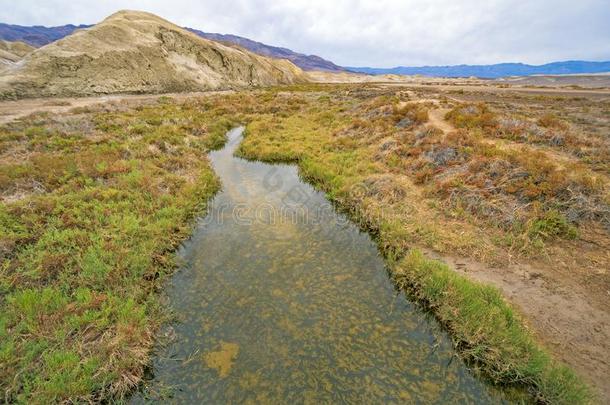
(282, 300)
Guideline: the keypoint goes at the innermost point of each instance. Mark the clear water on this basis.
(283, 300)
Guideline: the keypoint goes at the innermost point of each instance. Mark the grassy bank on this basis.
(94, 205)
(331, 154)
(487, 332)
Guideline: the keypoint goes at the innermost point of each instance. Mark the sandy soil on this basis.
(11, 110)
(581, 80)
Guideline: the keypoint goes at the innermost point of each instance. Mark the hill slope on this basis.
(492, 71)
(139, 52)
(38, 36)
(13, 52)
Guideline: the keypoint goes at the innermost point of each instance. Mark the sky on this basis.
(377, 33)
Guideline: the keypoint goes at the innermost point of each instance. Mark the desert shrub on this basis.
(549, 225)
(472, 116)
(551, 121)
(409, 114)
(166, 100)
(36, 132)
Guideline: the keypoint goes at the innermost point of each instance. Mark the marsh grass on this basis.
(101, 197)
(341, 157)
(83, 258)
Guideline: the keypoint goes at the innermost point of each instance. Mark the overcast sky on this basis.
(380, 33)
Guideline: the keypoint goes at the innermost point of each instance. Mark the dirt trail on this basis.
(436, 117)
(562, 313)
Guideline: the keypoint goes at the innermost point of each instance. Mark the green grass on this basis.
(84, 253)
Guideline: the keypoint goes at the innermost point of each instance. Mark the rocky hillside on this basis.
(138, 52)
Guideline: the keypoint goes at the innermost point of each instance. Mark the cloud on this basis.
(379, 33)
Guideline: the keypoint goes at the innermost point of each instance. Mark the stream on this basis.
(281, 299)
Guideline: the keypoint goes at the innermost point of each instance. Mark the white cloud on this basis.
(375, 33)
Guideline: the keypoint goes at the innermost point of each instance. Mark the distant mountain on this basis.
(493, 71)
(138, 52)
(38, 36)
(305, 62)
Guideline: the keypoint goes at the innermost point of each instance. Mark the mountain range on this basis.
(305, 62)
(492, 71)
(37, 35)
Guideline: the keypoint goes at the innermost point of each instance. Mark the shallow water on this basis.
(283, 300)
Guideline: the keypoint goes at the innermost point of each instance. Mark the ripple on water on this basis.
(277, 310)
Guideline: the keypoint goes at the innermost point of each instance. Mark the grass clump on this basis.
(552, 224)
(549, 120)
(472, 116)
(410, 114)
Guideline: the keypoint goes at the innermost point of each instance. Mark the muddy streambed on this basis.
(283, 300)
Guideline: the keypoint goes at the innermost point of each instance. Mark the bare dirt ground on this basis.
(566, 315)
(579, 80)
(11, 110)
(565, 305)
(572, 85)
(454, 90)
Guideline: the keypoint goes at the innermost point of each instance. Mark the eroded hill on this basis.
(13, 52)
(138, 52)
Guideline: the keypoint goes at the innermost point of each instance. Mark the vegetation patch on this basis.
(88, 227)
(486, 331)
(94, 203)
